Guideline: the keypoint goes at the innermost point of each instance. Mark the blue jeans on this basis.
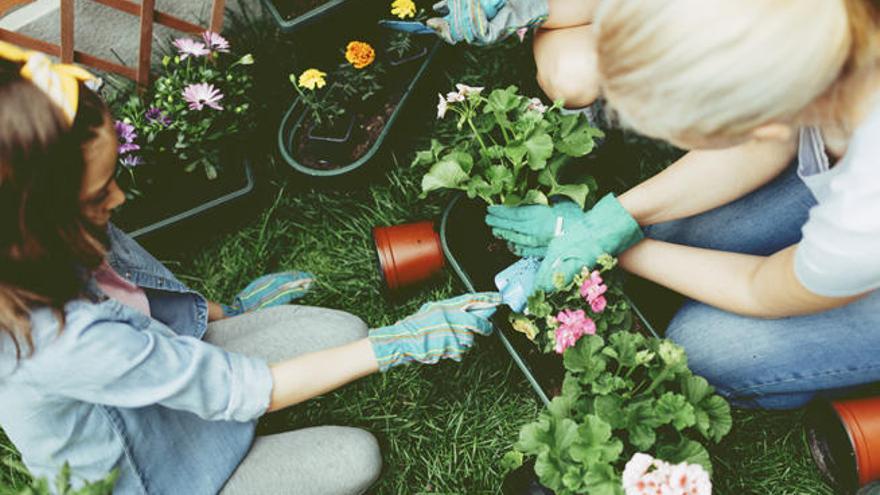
(779, 363)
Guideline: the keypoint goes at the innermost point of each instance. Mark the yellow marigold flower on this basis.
(312, 78)
(403, 8)
(359, 54)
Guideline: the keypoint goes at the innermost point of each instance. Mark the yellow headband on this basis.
(60, 82)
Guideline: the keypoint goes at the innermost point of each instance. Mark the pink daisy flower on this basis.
(201, 95)
(215, 42)
(187, 47)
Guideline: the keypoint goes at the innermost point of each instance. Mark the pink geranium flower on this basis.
(201, 95)
(215, 42)
(572, 326)
(592, 290)
(187, 47)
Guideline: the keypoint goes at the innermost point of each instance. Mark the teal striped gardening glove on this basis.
(483, 22)
(270, 290)
(439, 330)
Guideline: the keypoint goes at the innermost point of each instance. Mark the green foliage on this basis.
(62, 485)
(539, 322)
(511, 151)
(622, 395)
(170, 133)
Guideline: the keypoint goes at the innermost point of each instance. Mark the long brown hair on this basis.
(46, 245)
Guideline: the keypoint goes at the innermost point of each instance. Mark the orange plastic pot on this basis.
(844, 438)
(409, 254)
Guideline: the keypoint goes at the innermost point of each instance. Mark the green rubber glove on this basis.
(270, 290)
(483, 22)
(607, 228)
(565, 236)
(439, 330)
(529, 229)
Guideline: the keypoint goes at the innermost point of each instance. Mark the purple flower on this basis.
(131, 161)
(156, 115)
(200, 95)
(187, 47)
(127, 135)
(215, 42)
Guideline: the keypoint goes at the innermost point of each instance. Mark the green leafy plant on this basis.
(62, 484)
(198, 103)
(512, 150)
(602, 300)
(620, 396)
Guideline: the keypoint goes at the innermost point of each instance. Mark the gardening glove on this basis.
(528, 230)
(270, 290)
(606, 229)
(483, 22)
(438, 330)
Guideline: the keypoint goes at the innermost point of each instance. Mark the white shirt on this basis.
(839, 254)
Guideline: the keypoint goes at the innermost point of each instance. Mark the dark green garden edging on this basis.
(200, 209)
(466, 279)
(290, 124)
(291, 25)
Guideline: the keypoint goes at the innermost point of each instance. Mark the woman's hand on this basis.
(439, 330)
(270, 290)
(566, 237)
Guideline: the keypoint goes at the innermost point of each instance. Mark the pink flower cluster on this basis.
(213, 42)
(572, 326)
(644, 475)
(592, 291)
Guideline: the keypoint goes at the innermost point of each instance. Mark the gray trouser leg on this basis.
(325, 460)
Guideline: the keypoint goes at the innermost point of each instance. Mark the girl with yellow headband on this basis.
(107, 361)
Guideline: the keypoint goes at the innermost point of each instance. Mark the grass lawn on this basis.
(443, 428)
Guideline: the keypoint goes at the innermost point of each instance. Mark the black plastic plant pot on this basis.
(179, 197)
(475, 256)
(289, 24)
(294, 121)
(332, 144)
(524, 481)
(406, 58)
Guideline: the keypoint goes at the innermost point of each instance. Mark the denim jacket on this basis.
(114, 388)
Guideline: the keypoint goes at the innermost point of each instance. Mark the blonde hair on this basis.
(709, 69)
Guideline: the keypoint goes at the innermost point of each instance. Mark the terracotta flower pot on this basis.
(844, 438)
(409, 254)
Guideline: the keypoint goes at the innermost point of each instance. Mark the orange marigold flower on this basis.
(359, 54)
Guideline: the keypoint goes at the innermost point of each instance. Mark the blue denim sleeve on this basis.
(120, 363)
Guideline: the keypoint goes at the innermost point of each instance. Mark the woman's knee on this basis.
(364, 460)
(566, 65)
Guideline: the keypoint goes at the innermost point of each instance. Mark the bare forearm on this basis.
(215, 311)
(703, 180)
(307, 376)
(570, 13)
(758, 286)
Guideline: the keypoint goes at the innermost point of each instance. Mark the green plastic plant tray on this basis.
(291, 122)
(200, 209)
(476, 232)
(302, 20)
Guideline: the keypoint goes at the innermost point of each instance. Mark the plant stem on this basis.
(476, 134)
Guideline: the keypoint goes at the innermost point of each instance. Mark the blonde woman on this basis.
(771, 226)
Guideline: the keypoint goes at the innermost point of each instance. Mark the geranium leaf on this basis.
(540, 148)
(444, 174)
(535, 197)
(464, 160)
(576, 192)
(594, 444)
(675, 409)
(688, 451)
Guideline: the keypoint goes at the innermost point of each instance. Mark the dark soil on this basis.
(370, 120)
(170, 191)
(291, 9)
